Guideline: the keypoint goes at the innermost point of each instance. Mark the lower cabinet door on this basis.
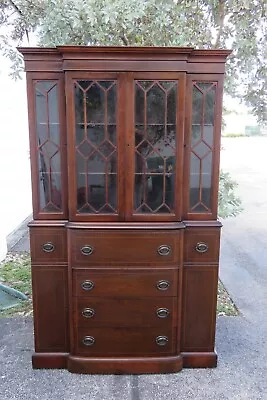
(144, 312)
(50, 302)
(126, 341)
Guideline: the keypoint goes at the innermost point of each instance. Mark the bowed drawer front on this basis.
(124, 247)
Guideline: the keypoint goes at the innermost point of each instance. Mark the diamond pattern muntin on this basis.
(201, 149)
(107, 149)
(203, 110)
(49, 157)
(155, 145)
(85, 148)
(97, 190)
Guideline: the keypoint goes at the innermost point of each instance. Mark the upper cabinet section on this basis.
(125, 133)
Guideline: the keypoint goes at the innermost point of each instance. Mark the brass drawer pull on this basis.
(163, 285)
(87, 250)
(88, 340)
(201, 247)
(163, 312)
(164, 250)
(88, 312)
(162, 340)
(48, 247)
(88, 285)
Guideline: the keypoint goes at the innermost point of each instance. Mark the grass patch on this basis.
(15, 271)
(225, 305)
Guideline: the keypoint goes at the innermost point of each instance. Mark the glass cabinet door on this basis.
(205, 100)
(94, 135)
(157, 130)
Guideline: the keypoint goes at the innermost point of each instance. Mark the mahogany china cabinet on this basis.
(125, 239)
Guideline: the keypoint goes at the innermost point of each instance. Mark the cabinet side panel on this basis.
(50, 308)
(199, 307)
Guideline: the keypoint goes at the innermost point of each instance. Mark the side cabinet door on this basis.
(154, 145)
(202, 150)
(95, 124)
(46, 110)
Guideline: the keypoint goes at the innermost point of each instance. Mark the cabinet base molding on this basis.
(50, 360)
(199, 359)
(135, 365)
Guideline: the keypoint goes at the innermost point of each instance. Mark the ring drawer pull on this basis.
(88, 340)
(163, 312)
(162, 340)
(88, 285)
(88, 312)
(87, 250)
(163, 285)
(48, 247)
(164, 250)
(201, 247)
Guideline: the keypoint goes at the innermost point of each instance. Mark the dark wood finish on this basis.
(95, 274)
(126, 342)
(199, 359)
(134, 246)
(56, 236)
(50, 291)
(195, 236)
(50, 360)
(137, 312)
(199, 308)
(126, 365)
(126, 283)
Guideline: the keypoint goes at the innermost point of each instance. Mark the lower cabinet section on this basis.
(130, 317)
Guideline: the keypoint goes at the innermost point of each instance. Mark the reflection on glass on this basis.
(203, 113)
(48, 141)
(96, 156)
(155, 146)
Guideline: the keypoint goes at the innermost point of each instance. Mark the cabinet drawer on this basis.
(127, 283)
(123, 247)
(149, 312)
(202, 245)
(48, 245)
(123, 341)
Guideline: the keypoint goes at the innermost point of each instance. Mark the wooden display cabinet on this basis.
(125, 240)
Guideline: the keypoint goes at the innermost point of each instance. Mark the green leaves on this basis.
(229, 204)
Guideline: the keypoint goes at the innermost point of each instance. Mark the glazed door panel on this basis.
(203, 130)
(95, 134)
(155, 112)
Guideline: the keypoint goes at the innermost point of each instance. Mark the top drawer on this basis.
(102, 247)
(48, 245)
(201, 245)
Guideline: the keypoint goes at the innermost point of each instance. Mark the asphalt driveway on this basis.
(241, 341)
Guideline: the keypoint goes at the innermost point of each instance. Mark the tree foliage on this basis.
(240, 25)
